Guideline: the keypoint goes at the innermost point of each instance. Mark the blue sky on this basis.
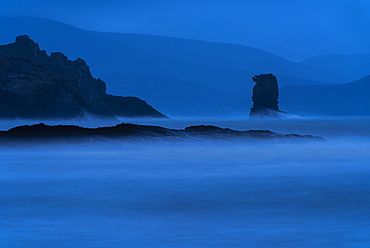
(294, 29)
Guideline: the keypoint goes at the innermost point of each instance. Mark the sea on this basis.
(182, 193)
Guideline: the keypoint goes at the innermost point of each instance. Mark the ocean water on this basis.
(192, 194)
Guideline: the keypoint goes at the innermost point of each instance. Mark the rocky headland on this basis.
(34, 85)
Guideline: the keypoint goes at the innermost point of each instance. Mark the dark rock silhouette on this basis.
(265, 96)
(35, 85)
(42, 133)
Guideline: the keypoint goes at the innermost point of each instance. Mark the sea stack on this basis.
(265, 97)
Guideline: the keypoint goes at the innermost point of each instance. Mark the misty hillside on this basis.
(339, 99)
(220, 55)
(131, 69)
(348, 67)
(179, 76)
(185, 57)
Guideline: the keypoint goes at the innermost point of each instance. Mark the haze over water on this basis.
(198, 194)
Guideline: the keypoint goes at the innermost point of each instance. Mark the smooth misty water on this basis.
(179, 194)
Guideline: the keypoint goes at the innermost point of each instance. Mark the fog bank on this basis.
(191, 194)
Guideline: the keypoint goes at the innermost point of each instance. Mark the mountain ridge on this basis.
(134, 71)
(348, 66)
(338, 99)
(225, 55)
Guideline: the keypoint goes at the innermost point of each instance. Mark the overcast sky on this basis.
(294, 29)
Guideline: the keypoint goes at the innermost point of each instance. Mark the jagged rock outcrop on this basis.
(35, 85)
(265, 97)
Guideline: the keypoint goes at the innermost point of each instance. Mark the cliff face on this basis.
(35, 85)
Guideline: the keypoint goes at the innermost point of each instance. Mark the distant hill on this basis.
(38, 86)
(339, 99)
(190, 77)
(178, 76)
(222, 55)
(348, 67)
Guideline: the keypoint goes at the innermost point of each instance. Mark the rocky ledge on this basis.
(42, 132)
